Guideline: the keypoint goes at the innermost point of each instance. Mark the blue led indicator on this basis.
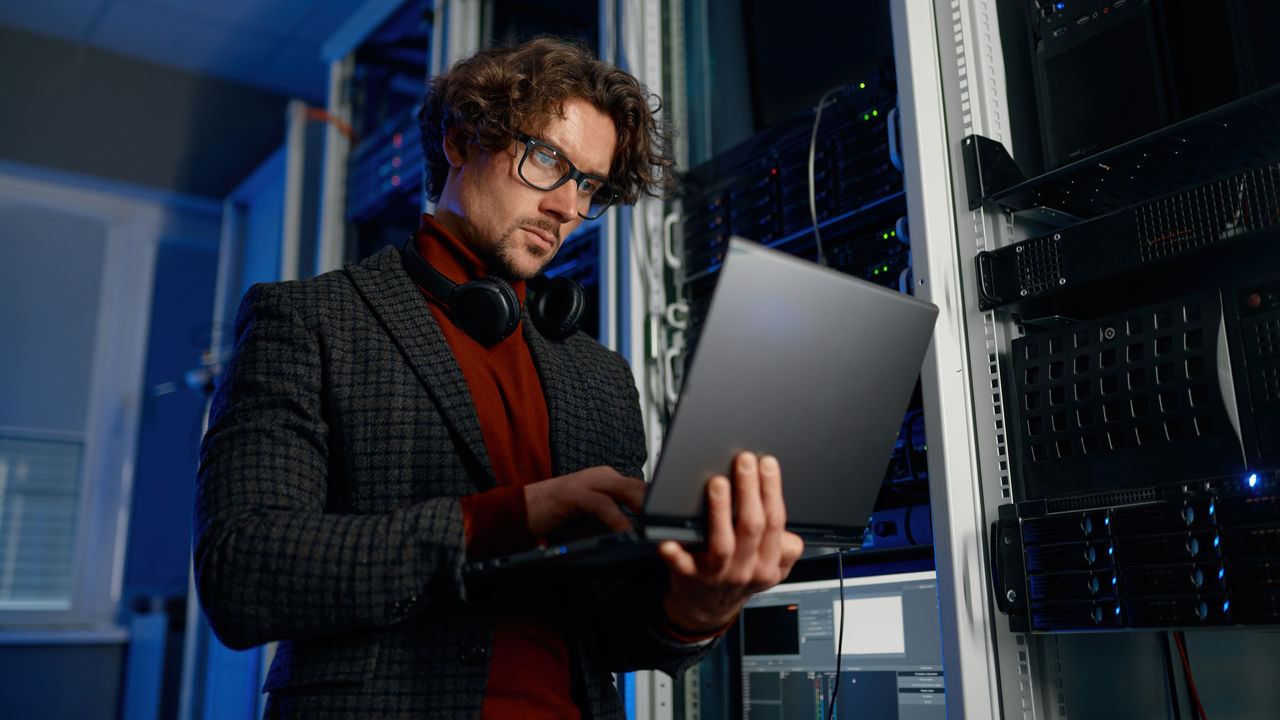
(1221, 572)
(1060, 5)
(1225, 605)
(1106, 521)
(1117, 610)
(1113, 581)
(1216, 540)
(1253, 480)
(1111, 551)
(1211, 506)
(564, 550)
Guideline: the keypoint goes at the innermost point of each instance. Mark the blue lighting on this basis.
(1117, 610)
(1060, 5)
(1216, 540)
(563, 550)
(1221, 572)
(1225, 604)
(1253, 480)
(1107, 521)
(1111, 551)
(1113, 581)
(1211, 506)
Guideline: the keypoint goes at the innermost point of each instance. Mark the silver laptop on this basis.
(797, 360)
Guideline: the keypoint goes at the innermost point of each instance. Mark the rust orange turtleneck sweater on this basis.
(529, 665)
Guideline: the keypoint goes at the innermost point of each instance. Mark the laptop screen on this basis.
(891, 657)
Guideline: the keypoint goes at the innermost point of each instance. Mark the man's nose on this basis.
(563, 201)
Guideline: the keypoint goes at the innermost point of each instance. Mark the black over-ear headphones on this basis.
(487, 308)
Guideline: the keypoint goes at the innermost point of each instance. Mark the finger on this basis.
(750, 522)
(604, 508)
(775, 515)
(679, 560)
(720, 535)
(629, 491)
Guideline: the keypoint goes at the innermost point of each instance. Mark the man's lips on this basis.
(546, 238)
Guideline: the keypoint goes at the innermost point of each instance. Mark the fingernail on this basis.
(745, 461)
(769, 464)
(717, 488)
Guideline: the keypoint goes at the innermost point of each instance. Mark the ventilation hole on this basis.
(1032, 375)
(1108, 385)
(1133, 353)
(1039, 452)
(1133, 326)
(1137, 379)
(1055, 370)
(1198, 395)
(1115, 412)
(1081, 339)
(1063, 448)
(1055, 345)
(1139, 406)
(1032, 400)
(1147, 434)
(1107, 358)
(1191, 313)
(1032, 350)
(1162, 319)
(1195, 368)
(1057, 395)
(1090, 444)
(1083, 390)
(1164, 345)
(1084, 417)
(1059, 420)
(1035, 426)
(1168, 401)
(1174, 429)
(1164, 373)
(1081, 364)
(1193, 340)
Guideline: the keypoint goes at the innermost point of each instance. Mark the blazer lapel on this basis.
(403, 311)
(561, 387)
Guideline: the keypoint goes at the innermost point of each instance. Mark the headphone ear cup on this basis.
(556, 305)
(487, 309)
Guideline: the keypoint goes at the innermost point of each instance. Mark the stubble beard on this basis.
(500, 256)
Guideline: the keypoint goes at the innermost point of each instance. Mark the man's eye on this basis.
(589, 186)
(545, 158)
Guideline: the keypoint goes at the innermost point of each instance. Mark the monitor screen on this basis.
(891, 654)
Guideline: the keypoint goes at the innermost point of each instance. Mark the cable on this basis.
(1169, 673)
(1186, 668)
(813, 148)
(835, 687)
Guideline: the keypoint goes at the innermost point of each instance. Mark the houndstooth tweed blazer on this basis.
(327, 513)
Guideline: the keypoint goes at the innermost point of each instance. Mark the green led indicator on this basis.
(894, 233)
(886, 268)
(862, 86)
(866, 117)
(875, 113)
(886, 236)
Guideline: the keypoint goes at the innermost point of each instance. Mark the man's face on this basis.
(515, 228)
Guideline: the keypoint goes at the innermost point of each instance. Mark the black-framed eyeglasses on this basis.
(545, 168)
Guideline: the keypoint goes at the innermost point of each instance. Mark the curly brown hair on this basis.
(498, 91)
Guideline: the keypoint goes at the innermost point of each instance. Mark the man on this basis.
(369, 438)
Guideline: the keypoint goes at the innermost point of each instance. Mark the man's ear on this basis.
(455, 146)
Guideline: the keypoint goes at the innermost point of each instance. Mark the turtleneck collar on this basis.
(452, 257)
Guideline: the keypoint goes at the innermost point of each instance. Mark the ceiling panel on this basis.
(272, 45)
(69, 19)
(203, 48)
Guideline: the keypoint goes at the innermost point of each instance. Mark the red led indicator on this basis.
(395, 181)
(1255, 300)
(397, 140)
(395, 161)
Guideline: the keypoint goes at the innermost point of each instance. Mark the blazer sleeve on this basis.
(270, 562)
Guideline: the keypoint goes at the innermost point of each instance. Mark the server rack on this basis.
(989, 246)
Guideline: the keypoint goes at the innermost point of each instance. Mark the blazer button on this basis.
(473, 653)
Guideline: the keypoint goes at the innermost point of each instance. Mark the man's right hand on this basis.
(591, 493)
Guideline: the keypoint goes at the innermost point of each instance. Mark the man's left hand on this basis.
(708, 588)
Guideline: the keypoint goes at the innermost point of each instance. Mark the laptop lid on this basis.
(806, 363)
